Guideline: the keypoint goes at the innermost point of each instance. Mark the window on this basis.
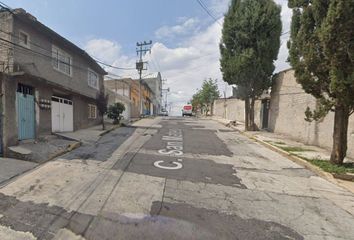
(24, 89)
(24, 39)
(92, 111)
(61, 61)
(93, 79)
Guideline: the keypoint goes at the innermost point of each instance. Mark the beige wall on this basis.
(234, 109)
(288, 104)
(287, 114)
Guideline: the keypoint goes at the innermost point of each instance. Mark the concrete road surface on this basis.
(174, 178)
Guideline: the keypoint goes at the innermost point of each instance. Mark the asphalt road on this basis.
(174, 178)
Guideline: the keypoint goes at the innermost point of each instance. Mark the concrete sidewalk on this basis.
(295, 151)
(10, 168)
(88, 135)
(284, 142)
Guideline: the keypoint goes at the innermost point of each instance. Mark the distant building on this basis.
(154, 81)
(118, 90)
(48, 83)
(120, 87)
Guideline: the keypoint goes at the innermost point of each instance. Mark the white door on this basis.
(62, 115)
(55, 116)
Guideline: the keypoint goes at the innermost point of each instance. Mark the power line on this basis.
(7, 8)
(284, 33)
(10, 44)
(111, 66)
(208, 11)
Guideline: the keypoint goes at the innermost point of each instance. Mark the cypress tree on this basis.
(321, 51)
(249, 46)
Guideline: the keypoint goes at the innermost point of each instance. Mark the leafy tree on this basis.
(249, 46)
(208, 94)
(114, 112)
(204, 98)
(101, 102)
(196, 102)
(321, 51)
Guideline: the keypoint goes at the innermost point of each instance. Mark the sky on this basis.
(185, 38)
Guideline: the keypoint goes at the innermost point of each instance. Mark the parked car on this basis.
(187, 110)
(164, 113)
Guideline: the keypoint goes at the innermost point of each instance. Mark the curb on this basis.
(66, 137)
(318, 171)
(109, 130)
(68, 149)
(71, 147)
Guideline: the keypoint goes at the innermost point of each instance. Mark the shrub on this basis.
(114, 112)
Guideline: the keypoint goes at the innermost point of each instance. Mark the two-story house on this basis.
(48, 84)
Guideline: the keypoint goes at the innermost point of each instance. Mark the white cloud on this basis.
(195, 59)
(219, 7)
(186, 26)
(103, 49)
(110, 52)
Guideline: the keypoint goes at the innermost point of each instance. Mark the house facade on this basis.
(118, 90)
(48, 84)
(147, 95)
(154, 81)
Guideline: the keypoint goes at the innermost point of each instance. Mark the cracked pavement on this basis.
(174, 178)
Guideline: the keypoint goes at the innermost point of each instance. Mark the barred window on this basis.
(61, 61)
(93, 79)
(92, 111)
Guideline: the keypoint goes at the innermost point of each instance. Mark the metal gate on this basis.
(25, 116)
(62, 115)
(265, 113)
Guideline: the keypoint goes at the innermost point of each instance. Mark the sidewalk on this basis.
(312, 157)
(10, 168)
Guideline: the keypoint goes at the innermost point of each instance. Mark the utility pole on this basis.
(163, 82)
(141, 50)
(167, 90)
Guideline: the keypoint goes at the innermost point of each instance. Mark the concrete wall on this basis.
(40, 63)
(155, 84)
(80, 106)
(6, 24)
(116, 97)
(42, 90)
(234, 109)
(9, 133)
(288, 104)
(41, 66)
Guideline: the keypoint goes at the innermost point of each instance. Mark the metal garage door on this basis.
(62, 115)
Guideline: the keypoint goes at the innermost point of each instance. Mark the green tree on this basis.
(114, 112)
(204, 98)
(321, 51)
(249, 46)
(196, 102)
(101, 102)
(209, 92)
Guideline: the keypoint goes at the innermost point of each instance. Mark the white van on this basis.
(187, 110)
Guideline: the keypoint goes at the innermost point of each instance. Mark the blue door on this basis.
(25, 116)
